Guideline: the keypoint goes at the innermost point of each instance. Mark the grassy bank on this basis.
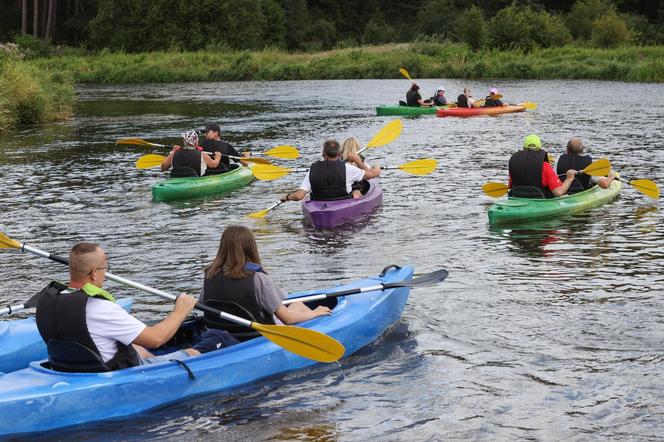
(423, 59)
(31, 94)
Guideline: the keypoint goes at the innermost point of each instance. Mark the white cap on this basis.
(440, 88)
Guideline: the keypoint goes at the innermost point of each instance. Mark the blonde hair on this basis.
(236, 248)
(349, 145)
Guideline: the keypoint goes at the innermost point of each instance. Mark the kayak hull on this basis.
(398, 110)
(515, 210)
(21, 343)
(475, 111)
(37, 399)
(194, 187)
(329, 214)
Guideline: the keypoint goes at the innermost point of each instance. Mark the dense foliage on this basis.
(149, 25)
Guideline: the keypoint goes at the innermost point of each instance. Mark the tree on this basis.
(471, 28)
(24, 17)
(609, 31)
(583, 14)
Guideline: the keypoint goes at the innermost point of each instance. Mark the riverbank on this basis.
(422, 59)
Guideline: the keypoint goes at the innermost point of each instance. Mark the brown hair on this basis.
(575, 145)
(331, 148)
(80, 259)
(236, 248)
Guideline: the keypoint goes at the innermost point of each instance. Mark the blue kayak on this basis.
(37, 399)
(20, 342)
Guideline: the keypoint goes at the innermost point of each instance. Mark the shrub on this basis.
(583, 14)
(436, 17)
(31, 46)
(609, 31)
(377, 31)
(471, 28)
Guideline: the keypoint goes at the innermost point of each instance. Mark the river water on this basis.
(553, 330)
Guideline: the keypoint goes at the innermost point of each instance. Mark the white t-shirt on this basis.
(353, 174)
(107, 323)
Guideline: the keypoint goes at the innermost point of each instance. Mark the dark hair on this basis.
(414, 87)
(236, 248)
(79, 266)
(331, 148)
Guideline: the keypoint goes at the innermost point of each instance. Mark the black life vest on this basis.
(526, 172)
(237, 297)
(569, 161)
(462, 101)
(412, 97)
(61, 316)
(488, 102)
(328, 180)
(187, 158)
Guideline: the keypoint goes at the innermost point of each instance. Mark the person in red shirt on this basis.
(531, 175)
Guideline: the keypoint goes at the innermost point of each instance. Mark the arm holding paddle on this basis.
(157, 335)
(569, 179)
(605, 182)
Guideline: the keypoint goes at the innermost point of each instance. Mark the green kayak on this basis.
(516, 210)
(396, 109)
(192, 187)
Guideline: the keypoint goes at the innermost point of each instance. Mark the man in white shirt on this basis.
(87, 314)
(332, 178)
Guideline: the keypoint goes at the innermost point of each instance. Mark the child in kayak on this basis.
(349, 149)
(236, 283)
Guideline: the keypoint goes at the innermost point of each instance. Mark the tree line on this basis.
(146, 25)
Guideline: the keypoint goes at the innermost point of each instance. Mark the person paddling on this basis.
(413, 97)
(573, 159)
(212, 142)
(439, 99)
(531, 175)
(189, 160)
(235, 282)
(84, 315)
(349, 147)
(492, 99)
(330, 178)
(465, 99)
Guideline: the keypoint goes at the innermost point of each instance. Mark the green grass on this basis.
(423, 59)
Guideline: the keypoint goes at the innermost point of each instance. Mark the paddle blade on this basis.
(529, 105)
(405, 73)
(268, 173)
(387, 134)
(260, 214)
(303, 342)
(427, 280)
(134, 142)
(495, 189)
(256, 160)
(647, 187)
(8, 243)
(601, 167)
(420, 167)
(150, 160)
(284, 152)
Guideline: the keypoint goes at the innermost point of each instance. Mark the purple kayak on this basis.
(327, 214)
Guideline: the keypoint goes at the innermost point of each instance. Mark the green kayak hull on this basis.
(406, 110)
(516, 210)
(193, 187)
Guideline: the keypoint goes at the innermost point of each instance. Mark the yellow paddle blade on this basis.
(8, 243)
(600, 167)
(259, 215)
(387, 134)
(268, 173)
(529, 105)
(647, 187)
(451, 106)
(495, 189)
(133, 141)
(284, 152)
(256, 160)
(405, 73)
(150, 160)
(420, 167)
(304, 342)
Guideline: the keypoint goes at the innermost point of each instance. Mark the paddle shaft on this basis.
(139, 286)
(320, 296)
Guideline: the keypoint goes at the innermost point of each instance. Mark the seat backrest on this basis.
(576, 187)
(182, 172)
(237, 331)
(527, 192)
(72, 357)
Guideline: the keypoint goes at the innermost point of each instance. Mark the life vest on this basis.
(462, 101)
(187, 158)
(61, 316)
(489, 102)
(328, 180)
(526, 172)
(237, 297)
(569, 161)
(412, 97)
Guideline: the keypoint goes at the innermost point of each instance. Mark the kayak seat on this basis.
(72, 357)
(363, 186)
(220, 170)
(577, 187)
(239, 332)
(182, 172)
(402, 103)
(527, 192)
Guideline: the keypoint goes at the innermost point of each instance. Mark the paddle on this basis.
(601, 167)
(283, 152)
(646, 187)
(301, 341)
(427, 280)
(266, 172)
(153, 160)
(387, 134)
(528, 105)
(405, 73)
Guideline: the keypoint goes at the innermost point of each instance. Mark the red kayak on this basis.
(472, 111)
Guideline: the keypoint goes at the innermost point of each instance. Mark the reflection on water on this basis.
(549, 330)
